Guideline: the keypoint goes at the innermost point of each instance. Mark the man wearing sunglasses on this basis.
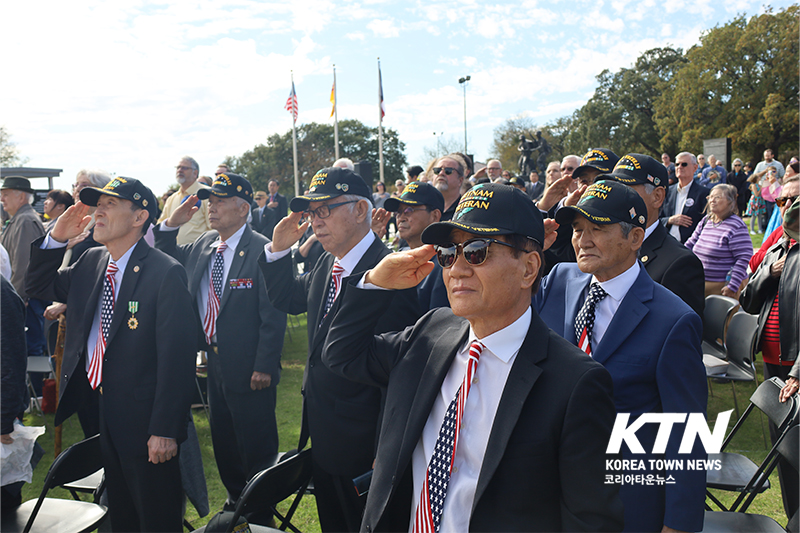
(421, 205)
(686, 200)
(645, 336)
(532, 415)
(448, 174)
(339, 415)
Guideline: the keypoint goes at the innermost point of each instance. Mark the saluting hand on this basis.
(184, 212)
(402, 270)
(71, 223)
(287, 232)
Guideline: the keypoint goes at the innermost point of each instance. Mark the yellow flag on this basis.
(333, 98)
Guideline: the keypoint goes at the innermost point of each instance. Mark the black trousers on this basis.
(244, 432)
(788, 476)
(338, 505)
(142, 496)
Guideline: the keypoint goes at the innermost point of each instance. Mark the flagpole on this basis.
(294, 147)
(335, 116)
(380, 122)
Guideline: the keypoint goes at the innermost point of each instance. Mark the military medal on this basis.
(133, 307)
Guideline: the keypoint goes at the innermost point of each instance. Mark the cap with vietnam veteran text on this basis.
(228, 185)
(601, 159)
(490, 209)
(129, 189)
(638, 169)
(607, 202)
(330, 183)
(417, 193)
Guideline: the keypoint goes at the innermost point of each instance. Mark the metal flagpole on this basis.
(294, 144)
(380, 121)
(335, 117)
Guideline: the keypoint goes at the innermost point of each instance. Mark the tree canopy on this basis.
(315, 150)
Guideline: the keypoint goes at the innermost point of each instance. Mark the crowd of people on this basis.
(475, 374)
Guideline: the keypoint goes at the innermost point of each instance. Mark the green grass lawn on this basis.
(749, 440)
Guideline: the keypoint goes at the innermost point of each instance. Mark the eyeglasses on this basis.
(784, 200)
(475, 251)
(737, 165)
(682, 164)
(447, 170)
(181, 167)
(409, 210)
(324, 211)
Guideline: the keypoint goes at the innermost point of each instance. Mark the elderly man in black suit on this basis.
(130, 340)
(276, 207)
(242, 332)
(492, 421)
(685, 201)
(667, 261)
(340, 416)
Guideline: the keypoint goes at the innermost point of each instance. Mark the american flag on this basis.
(380, 92)
(291, 103)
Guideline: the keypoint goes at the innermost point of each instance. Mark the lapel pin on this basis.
(241, 253)
(644, 259)
(136, 268)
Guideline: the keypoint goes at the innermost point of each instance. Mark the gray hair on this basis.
(689, 155)
(626, 228)
(344, 162)
(98, 178)
(648, 189)
(30, 197)
(194, 164)
(737, 160)
(730, 193)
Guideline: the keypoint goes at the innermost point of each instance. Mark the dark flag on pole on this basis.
(380, 92)
(291, 103)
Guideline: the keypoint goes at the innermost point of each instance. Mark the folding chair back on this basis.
(76, 462)
(765, 398)
(716, 316)
(273, 485)
(740, 343)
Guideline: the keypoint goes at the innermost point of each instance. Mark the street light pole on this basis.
(438, 137)
(463, 81)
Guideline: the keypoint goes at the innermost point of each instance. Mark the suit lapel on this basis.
(521, 379)
(129, 280)
(574, 298)
(652, 244)
(630, 313)
(94, 295)
(204, 258)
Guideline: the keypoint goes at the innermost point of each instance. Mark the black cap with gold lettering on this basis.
(227, 185)
(129, 189)
(329, 183)
(607, 202)
(638, 169)
(490, 209)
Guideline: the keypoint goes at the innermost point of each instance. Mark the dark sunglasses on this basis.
(784, 200)
(682, 164)
(475, 251)
(447, 170)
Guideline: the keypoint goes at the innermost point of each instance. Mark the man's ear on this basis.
(659, 194)
(362, 210)
(533, 264)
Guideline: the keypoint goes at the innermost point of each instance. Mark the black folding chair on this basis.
(51, 514)
(788, 447)
(740, 346)
(738, 473)
(716, 316)
(270, 487)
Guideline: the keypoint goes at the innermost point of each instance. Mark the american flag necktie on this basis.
(106, 314)
(214, 293)
(333, 289)
(437, 478)
(584, 323)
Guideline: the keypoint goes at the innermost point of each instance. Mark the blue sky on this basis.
(130, 86)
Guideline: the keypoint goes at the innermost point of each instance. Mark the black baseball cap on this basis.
(601, 159)
(607, 202)
(639, 169)
(490, 209)
(329, 183)
(516, 180)
(228, 185)
(129, 189)
(417, 193)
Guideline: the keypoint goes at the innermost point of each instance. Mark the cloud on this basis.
(355, 36)
(383, 28)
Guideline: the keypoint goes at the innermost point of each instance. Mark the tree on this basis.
(444, 146)
(315, 151)
(620, 114)
(741, 82)
(9, 153)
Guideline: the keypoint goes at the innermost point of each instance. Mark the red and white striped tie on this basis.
(437, 478)
(214, 293)
(106, 314)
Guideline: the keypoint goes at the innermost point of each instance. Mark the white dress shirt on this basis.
(476, 425)
(680, 203)
(348, 262)
(616, 289)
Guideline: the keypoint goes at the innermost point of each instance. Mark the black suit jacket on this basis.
(675, 267)
(249, 330)
(149, 364)
(340, 415)
(694, 209)
(272, 216)
(544, 468)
